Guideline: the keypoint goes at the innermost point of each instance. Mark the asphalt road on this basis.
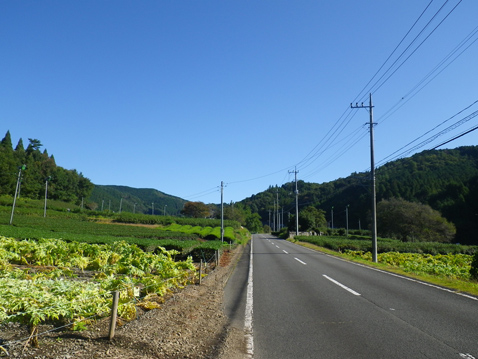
(310, 305)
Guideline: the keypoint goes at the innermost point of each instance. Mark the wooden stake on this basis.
(114, 313)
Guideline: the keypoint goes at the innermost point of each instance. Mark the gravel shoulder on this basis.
(190, 324)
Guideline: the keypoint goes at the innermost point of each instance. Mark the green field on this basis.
(63, 267)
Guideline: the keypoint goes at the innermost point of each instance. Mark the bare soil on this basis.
(190, 324)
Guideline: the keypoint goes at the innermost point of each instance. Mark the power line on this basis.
(419, 45)
(416, 89)
(456, 137)
(457, 124)
(391, 54)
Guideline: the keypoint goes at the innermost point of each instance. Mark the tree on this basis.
(196, 210)
(411, 221)
(7, 141)
(253, 223)
(310, 219)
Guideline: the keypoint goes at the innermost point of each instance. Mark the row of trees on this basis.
(65, 185)
(234, 211)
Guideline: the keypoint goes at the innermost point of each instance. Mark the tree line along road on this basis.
(306, 304)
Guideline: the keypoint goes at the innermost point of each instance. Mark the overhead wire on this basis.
(329, 140)
(350, 141)
(389, 157)
(429, 139)
(341, 124)
(391, 54)
(421, 43)
(442, 64)
(203, 193)
(456, 137)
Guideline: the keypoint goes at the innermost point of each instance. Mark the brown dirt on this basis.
(190, 324)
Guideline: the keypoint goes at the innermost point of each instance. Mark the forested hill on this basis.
(138, 200)
(447, 180)
(36, 167)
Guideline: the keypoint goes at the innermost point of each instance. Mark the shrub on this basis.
(474, 267)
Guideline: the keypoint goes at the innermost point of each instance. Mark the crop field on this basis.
(453, 266)
(62, 269)
(58, 282)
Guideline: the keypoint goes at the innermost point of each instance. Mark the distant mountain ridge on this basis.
(138, 200)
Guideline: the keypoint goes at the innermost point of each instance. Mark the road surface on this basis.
(306, 304)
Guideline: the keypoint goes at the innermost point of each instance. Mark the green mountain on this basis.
(447, 180)
(138, 200)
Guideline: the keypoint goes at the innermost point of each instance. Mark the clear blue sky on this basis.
(181, 95)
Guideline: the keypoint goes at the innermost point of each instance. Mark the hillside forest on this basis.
(443, 181)
(34, 167)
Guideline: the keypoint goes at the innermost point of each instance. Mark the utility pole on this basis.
(372, 177)
(274, 216)
(121, 204)
(282, 217)
(222, 211)
(347, 219)
(296, 203)
(332, 219)
(46, 194)
(278, 215)
(17, 190)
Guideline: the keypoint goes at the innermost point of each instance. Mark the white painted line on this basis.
(393, 274)
(277, 246)
(298, 260)
(341, 285)
(467, 356)
(248, 315)
(285, 252)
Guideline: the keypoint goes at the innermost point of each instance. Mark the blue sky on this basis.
(181, 95)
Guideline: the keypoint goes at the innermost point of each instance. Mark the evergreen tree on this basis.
(7, 141)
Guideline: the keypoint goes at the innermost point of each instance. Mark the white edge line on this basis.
(249, 310)
(341, 285)
(397, 275)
